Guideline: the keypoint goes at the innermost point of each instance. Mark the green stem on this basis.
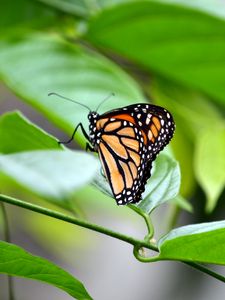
(7, 239)
(76, 221)
(73, 220)
(205, 270)
(142, 258)
(147, 219)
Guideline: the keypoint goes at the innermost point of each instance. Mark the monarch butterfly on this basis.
(128, 140)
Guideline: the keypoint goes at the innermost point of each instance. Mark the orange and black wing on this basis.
(130, 141)
(122, 153)
(155, 122)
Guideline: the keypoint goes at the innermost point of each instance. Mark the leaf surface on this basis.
(51, 174)
(172, 41)
(18, 134)
(203, 243)
(15, 261)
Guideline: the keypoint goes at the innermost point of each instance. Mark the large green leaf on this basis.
(179, 43)
(210, 163)
(18, 134)
(51, 174)
(199, 243)
(35, 65)
(15, 261)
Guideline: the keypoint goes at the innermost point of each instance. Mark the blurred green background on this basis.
(170, 53)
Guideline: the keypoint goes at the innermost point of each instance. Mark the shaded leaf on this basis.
(18, 134)
(203, 243)
(192, 113)
(34, 267)
(54, 175)
(210, 163)
(31, 15)
(179, 43)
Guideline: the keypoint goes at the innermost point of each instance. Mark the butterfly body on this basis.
(128, 140)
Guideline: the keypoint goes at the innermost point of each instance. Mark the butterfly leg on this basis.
(74, 132)
(89, 148)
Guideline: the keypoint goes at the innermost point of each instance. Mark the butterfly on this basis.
(127, 141)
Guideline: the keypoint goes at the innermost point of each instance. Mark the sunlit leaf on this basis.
(198, 243)
(17, 262)
(53, 175)
(35, 65)
(18, 134)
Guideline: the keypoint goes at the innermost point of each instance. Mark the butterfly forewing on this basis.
(128, 140)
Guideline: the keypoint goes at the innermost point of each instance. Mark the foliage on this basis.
(172, 52)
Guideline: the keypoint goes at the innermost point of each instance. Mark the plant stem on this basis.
(73, 220)
(7, 239)
(76, 221)
(205, 270)
(147, 219)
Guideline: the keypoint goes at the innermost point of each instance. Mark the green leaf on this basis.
(163, 185)
(192, 113)
(179, 43)
(34, 65)
(203, 243)
(183, 203)
(210, 163)
(85, 8)
(77, 8)
(53, 175)
(31, 15)
(15, 261)
(215, 8)
(18, 134)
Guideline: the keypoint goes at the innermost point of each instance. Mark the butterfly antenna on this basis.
(68, 99)
(109, 96)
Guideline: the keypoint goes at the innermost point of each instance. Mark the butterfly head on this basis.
(93, 117)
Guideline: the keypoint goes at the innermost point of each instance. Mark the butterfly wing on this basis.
(155, 122)
(130, 141)
(122, 155)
